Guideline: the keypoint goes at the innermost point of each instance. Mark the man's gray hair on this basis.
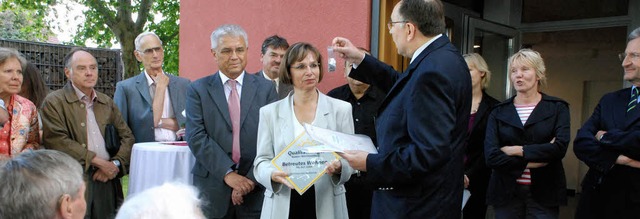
(228, 30)
(170, 200)
(34, 181)
(138, 41)
(634, 34)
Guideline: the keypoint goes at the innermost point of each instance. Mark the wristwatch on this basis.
(2, 105)
(116, 162)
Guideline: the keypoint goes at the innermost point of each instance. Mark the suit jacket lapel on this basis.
(323, 110)
(173, 95)
(143, 87)
(249, 89)
(542, 111)
(509, 115)
(285, 119)
(481, 113)
(216, 92)
(632, 116)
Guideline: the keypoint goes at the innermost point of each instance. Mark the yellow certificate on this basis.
(303, 168)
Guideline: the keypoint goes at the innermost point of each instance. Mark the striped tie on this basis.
(633, 102)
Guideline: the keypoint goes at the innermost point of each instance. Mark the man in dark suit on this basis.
(422, 123)
(152, 102)
(273, 49)
(609, 144)
(222, 126)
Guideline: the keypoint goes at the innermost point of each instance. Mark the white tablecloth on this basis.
(154, 163)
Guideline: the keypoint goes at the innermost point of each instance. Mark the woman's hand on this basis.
(335, 167)
(513, 151)
(281, 177)
(533, 165)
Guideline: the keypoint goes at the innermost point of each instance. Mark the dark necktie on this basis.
(234, 113)
(633, 102)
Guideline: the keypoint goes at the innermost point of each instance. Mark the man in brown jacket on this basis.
(74, 120)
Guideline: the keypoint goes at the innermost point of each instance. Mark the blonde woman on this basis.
(476, 171)
(527, 137)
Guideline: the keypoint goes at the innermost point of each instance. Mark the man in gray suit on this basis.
(152, 102)
(273, 49)
(222, 127)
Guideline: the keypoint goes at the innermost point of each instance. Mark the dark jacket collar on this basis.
(506, 111)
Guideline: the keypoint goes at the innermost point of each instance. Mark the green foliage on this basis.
(109, 21)
(23, 22)
(167, 30)
(95, 29)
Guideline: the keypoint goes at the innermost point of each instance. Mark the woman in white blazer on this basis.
(281, 122)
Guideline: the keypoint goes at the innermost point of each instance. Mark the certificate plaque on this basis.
(302, 167)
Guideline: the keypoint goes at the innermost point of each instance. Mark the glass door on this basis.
(495, 42)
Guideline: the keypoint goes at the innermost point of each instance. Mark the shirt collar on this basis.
(423, 47)
(266, 76)
(224, 78)
(81, 95)
(149, 79)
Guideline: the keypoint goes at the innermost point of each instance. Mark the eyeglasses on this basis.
(631, 55)
(391, 23)
(151, 50)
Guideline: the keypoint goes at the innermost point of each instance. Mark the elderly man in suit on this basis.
(74, 121)
(422, 123)
(273, 49)
(152, 102)
(609, 144)
(222, 126)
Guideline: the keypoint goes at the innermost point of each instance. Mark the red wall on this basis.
(316, 22)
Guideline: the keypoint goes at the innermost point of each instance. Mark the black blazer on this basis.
(475, 168)
(421, 129)
(619, 185)
(550, 119)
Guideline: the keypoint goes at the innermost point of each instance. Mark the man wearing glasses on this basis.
(152, 102)
(422, 123)
(222, 128)
(609, 143)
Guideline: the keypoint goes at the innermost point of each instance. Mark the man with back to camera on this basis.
(152, 102)
(222, 128)
(273, 49)
(609, 143)
(365, 101)
(42, 184)
(74, 121)
(422, 123)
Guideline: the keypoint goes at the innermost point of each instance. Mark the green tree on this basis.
(23, 23)
(107, 20)
(120, 21)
